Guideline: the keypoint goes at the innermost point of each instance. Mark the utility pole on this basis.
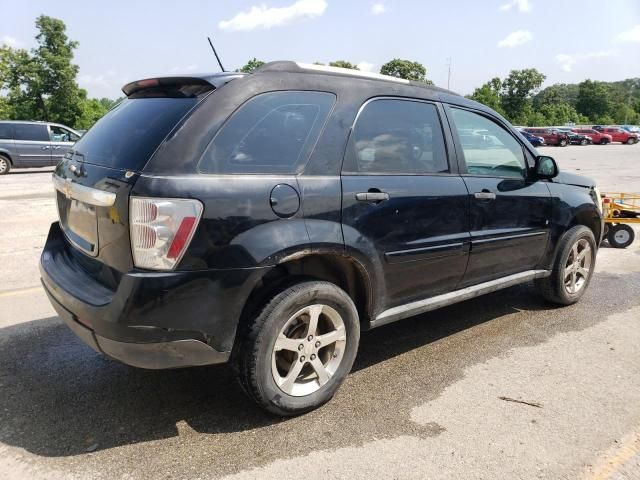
(449, 72)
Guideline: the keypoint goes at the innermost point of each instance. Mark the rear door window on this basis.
(271, 133)
(397, 137)
(31, 131)
(130, 133)
(6, 131)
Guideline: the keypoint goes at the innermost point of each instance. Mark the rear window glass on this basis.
(30, 131)
(271, 133)
(6, 132)
(129, 133)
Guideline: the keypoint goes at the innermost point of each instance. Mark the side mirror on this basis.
(546, 167)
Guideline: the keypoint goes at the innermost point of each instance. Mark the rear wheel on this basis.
(620, 235)
(604, 141)
(299, 349)
(572, 267)
(5, 165)
(583, 141)
(563, 143)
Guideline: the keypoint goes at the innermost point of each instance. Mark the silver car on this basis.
(33, 144)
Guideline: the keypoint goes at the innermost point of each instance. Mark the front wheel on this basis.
(299, 349)
(5, 165)
(620, 235)
(572, 267)
(631, 141)
(583, 142)
(563, 143)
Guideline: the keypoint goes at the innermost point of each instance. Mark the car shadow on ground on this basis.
(59, 398)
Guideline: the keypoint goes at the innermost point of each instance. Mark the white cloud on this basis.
(366, 66)
(520, 5)
(568, 60)
(378, 8)
(630, 36)
(262, 16)
(516, 38)
(10, 41)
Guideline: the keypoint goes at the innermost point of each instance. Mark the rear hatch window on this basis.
(127, 136)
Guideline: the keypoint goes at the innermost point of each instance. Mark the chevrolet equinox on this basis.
(267, 219)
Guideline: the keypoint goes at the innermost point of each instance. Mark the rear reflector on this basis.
(161, 230)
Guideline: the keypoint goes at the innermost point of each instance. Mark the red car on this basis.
(596, 136)
(551, 136)
(620, 135)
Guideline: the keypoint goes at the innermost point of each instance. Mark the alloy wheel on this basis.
(578, 267)
(308, 350)
(4, 164)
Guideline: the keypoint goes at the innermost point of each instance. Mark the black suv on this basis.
(266, 219)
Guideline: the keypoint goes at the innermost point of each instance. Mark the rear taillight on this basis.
(161, 229)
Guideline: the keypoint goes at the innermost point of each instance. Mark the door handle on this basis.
(56, 147)
(372, 196)
(485, 195)
(45, 148)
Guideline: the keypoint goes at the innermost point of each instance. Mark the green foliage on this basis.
(405, 69)
(517, 90)
(489, 94)
(41, 84)
(251, 65)
(343, 64)
(593, 99)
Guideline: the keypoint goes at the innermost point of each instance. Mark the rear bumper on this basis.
(152, 319)
(155, 355)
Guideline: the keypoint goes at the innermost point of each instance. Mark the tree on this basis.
(489, 94)
(41, 84)
(517, 90)
(405, 69)
(251, 65)
(592, 99)
(343, 64)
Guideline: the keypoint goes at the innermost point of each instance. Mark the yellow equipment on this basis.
(620, 210)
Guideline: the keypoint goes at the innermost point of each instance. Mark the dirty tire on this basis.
(553, 288)
(255, 351)
(621, 235)
(5, 165)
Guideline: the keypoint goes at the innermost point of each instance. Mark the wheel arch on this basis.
(342, 270)
(5, 153)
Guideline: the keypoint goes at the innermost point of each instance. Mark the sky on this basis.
(121, 41)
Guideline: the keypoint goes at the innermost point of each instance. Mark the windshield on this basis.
(127, 135)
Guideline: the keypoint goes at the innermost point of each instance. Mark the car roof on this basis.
(298, 67)
(282, 66)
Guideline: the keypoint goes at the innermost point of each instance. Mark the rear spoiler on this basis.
(191, 86)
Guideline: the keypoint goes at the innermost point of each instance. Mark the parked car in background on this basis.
(551, 136)
(631, 128)
(533, 139)
(621, 135)
(596, 136)
(578, 138)
(33, 144)
(266, 219)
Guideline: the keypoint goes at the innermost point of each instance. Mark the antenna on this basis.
(216, 54)
(449, 73)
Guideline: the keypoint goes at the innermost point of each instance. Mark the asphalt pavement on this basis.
(503, 386)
